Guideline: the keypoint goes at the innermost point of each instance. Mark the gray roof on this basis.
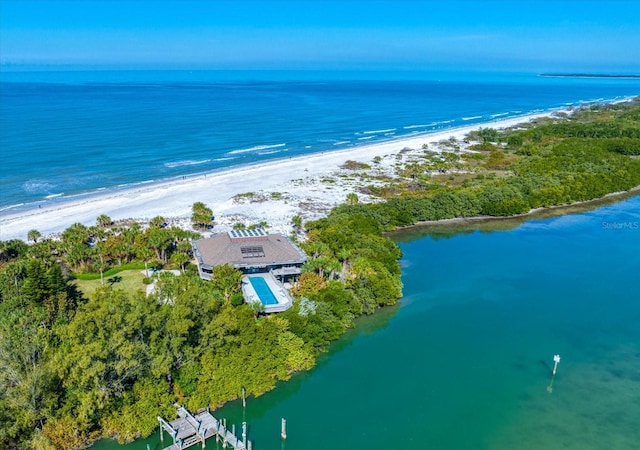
(259, 251)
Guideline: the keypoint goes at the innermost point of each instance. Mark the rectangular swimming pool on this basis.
(264, 292)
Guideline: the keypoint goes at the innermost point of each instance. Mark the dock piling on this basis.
(556, 360)
(244, 397)
(244, 433)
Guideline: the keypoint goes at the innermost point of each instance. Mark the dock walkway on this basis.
(190, 429)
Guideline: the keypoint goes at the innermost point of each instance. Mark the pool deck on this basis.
(285, 301)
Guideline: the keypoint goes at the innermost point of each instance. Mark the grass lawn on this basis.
(129, 280)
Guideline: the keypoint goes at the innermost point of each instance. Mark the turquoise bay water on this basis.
(463, 362)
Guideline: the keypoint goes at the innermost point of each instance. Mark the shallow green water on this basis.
(463, 361)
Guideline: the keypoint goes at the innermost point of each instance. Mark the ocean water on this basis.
(464, 361)
(64, 134)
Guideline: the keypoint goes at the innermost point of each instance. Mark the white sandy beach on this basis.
(296, 182)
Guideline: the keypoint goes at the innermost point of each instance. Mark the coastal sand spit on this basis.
(284, 188)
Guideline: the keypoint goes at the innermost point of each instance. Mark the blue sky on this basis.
(530, 36)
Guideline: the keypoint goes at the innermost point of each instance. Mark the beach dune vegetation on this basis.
(33, 235)
(201, 216)
(579, 158)
(103, 221)
(355, 165)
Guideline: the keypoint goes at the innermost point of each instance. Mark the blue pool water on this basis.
(263, 291)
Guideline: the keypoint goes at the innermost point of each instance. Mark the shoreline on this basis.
(273, 191)
(298, 179)
(542, 213)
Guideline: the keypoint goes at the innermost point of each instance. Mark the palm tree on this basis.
(257, 308)
(160, 240)
(118, 249)
(344, 255)
(322, 264)
(76, 234)
(101, 250)
(129, 234)
(352, 198)
(181, 259)
(103, 221)
(157, 222)
(227, 279)
(42, 250)
(77, 255)
(145, 254)
(143, 251)
(33, 235)
(201, 215)
(296, 221)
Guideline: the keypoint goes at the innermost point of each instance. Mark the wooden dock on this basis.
(191, 429)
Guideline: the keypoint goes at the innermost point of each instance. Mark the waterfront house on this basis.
(272, 257)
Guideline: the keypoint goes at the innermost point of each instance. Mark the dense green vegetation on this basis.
(556, 162)
(76, 366)
(201, 215)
